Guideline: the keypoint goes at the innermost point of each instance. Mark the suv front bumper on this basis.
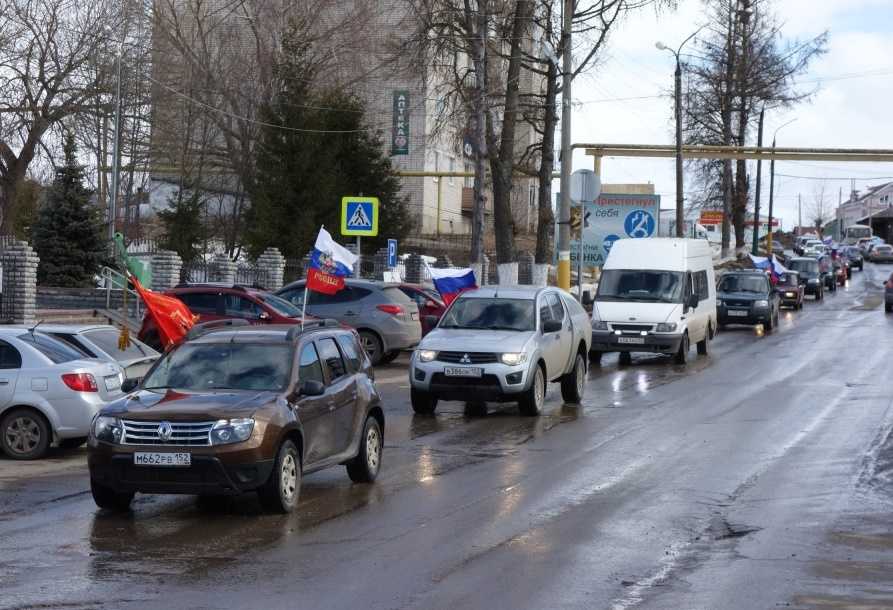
(755, 315)
(659, 343)
(207, 474)
(498, 382)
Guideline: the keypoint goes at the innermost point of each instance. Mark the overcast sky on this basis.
(851, 109)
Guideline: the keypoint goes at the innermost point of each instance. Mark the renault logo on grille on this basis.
(165, 431)
(465, 359)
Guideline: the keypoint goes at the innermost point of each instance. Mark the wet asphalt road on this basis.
(760, 476)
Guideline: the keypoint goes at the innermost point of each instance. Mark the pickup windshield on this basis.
(491, 314)
(640, 285)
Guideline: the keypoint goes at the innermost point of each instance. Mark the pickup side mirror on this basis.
(311, 387)
(130, 385)
(552, 326)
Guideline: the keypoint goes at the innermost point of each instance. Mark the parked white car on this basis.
(101, 341)
(655, 295)
(49, 392)
(503, 343)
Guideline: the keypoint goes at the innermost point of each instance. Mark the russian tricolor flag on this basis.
(450, 283)
(330, 263)
(774, 267)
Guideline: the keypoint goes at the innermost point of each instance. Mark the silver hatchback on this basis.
(49, 392)
(386, 319)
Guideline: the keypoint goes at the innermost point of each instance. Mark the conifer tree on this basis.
(67, 234)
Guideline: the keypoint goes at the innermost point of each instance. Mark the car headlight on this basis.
(761, 303)
(599, 325)
(227, 431)
(719, 303)
(666, 327)
(427, 355)
(790, 295)
(814, 281)
(513, 358)
(108, 429)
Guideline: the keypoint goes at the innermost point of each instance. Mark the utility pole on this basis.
(116, 148)
(564, 210)
(772, 185)
(799, 212)
(756, 198)
(680, 196)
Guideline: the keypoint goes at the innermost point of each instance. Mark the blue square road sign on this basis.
(359, 216)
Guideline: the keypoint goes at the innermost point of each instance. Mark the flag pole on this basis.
(304, 309)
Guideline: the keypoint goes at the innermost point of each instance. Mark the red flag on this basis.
(319, 281)
(171, 316)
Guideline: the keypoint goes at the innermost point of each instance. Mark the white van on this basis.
(655, 295)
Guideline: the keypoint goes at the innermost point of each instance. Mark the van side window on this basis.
(701, 285)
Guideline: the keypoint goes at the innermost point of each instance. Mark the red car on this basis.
(216, 302)
(429, 302)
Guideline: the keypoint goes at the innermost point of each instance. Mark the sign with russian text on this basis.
(400, 137)
(614, 217)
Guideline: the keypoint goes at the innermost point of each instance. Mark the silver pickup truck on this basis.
(503, 344)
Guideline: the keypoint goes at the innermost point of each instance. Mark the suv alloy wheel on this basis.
(281, 491)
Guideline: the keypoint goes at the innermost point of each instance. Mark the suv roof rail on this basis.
(201, 329)
(296, 331)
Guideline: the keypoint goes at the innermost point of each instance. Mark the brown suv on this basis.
(238, 408)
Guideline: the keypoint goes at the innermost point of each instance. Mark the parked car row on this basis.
(388, 317)
(54, 379)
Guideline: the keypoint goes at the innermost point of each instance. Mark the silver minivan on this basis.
(386, 319)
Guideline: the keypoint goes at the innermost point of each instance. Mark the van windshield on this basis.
(640, 285)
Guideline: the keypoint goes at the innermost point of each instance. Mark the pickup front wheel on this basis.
(423, 403)
(572, 384)
(531, 403)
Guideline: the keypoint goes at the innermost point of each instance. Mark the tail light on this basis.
(391, 309)
(80, 382)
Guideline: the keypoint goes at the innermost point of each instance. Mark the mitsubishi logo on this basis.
(465, 359)
(165, 431)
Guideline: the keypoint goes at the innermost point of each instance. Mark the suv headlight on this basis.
(719, 303)
(763, 303)
(599, 325)
(108, 429)
(227, 431)
(666, 327)
(513, 358)
(427, 355)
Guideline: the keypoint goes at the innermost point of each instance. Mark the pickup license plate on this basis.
(162, 459)
(455, 371)
(112, 383)
(737, 313)
(631, 340)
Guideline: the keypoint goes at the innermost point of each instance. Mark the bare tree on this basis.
(820, 211)
(216, 58)
(743, 65)
(592, 24)
(46, 48)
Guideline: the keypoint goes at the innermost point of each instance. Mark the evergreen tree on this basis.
(68, 232)
(303, 173)
(183, 229)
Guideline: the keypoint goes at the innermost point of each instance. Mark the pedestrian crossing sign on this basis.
(359, 216)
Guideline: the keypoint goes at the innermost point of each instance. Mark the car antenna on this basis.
(31, 330)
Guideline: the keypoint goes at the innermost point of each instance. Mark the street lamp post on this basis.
(772, 187)
(680, 196)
